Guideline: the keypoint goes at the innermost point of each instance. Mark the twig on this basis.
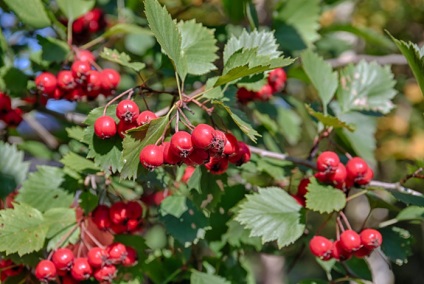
(285, 157)
(394, 187)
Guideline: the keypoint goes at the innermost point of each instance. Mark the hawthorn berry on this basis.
(338, 177)
(300, 200)
(118, 212)
(243, 155)
(302, 187)
(321, 247)
(5, 103)
(277, 79)
(94, 83)
(132, 225)
(97, 257)
(13, 118)
(151, 156)
(371, 238)
(145, 117)
(264, 94)
(188, 172)
(65, 80)
(85, 56)
(181, 144)
(244, 95)
(63, 258)
(134, 210)
(197, 157)
(80, 70)
(217, 165)
(202, 136)
(45, 270)
(366, 178)
(327, 162)
(127, 110)
(169, 157)
(362, 252)
(105, 127)
(105, 273)
(46, 82)
(356, 168)
(119, 228)
(81, 270)
(131, 257)
(350, 241)
(116, 252)
(110, 79)
(100, 217)
(122, 127)
(231, 146)
(338, 252)
(218, 142)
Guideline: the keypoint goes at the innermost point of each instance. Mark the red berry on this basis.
(151, 156)
(131, 258)
(105, 274)
(168, 156)
(110, 79)
(265, 93)
(5, 103)
(65, 80)
(350, 241)
(356, 168)
(145, 117)
(243, 155)
(127, 111)
(63, 258)
(366, 178)
(116, 252)
(231, 147)
(94, 83)
(322, 177)
(362, 252)
(45, 270)
(132, 225)
(13, 118)
(277, 79)
(321, 247)
(197, 157)
(202, 136)
(118, 212)
(46, 82)
(67, 279)
(134, 210)
(302, 187)
(159, 196)
(80, 70)
(300, 200)
(97, 257)
(100, 217)
(338, 177)
(188, 172)
(105, 127)
(85, 56)
(9, 269)
(327, 162)
(181, 144)
(123, 127)
(118, 228)
(217, 165)
(81, 270)
(338, 252)
(218, 142)
(371, 238)
(244, 96)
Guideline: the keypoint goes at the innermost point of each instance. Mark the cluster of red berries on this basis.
(120, 218)
(11, 116)
(349, 244)
(129, 116)
(100, 263)
(82, 80)
(88, 24)
(206, 146)
(9, 269)
(275, 83)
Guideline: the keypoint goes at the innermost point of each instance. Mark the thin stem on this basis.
(177, 78)
(69, 32)
(346, 221)
(279, 156)
(92, 43)
(64, 239)
(394, 187)
(339, 222)
(353, 196)
(413, 175)
(129, 92)
(188, 123)
(95, 241)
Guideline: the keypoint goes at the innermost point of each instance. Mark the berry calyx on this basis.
(81, 270)
(181, 144)
(217, 165)
(327, 162)
(321, 247)
(356, 168)
(80, 70)
(63, 258)
(151, 156)
(117, 252)
(97, 257)
(105, 273)
(371, 238)
(218, 142)
(127, 111)
(65, 80)
(350, 241)
(105, 127)
(45, 270)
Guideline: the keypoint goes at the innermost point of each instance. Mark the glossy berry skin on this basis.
(321, 247)
(151, 156)
(243, 155)
(65, 80)
(337, 252)
(80, 70)
(244, 95)
(202, 136)
(63, 258)
(277, 79)
(100, 217)
(127, 111)
(110, 79)
(197, 157)
(169, 157)
(46, 82)
(81, 270)
(231, 147)
(338, 177)
(302, 187)
(217, 165)
(105, 127)
(132, 225)
(265, 93)
(118, 212)
(105, 273)
(350, 241)
(123, 127)
(13, 118)
(85, 56)
(45, 270)
(134, 210)
(119, 228)
(356, 168)
(94, 82)
(181, 144)
(371, 238)
(145, 117)
(116, 252)
(97, 257)
(131, 258)
(327, 162)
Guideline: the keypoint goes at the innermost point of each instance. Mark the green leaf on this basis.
(36, 149)
(13, 169)
(376, 201)
(415, 57)
(324, 198)
(321, 75)
(78, 163)
(198, 277)
(329, 120)
(409, 199)
(63, 228)
(366, 87)
(245, 127)
(156, 237)
(238, 236)
(173, 205)
(23, 229)
(106, 152)
(121, 58)
(88, 201)
(125, 28)
(167, 34)
(198, 45)
(357, 267)
(396, 244)
(75, 132)
(273, 215)
(136, 140)
(53, 49)
(75, 8)
(289, 123)
(296, 24)
(411, 213)
(211, 92)
(30, 12)
(14, 81)
(43, 189)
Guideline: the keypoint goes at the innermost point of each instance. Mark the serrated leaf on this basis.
(198, 277)
(63, 228)
(324, 198)
(329, 120)
(23, 229)
(397, 244)
(75, 132)
(78, 163)
(321, 75)
(30, 12)
(36, 149)
(167, 34)
(125, 28)
(296, 24)
(411, 213)
(245, 127)
(42, 190)
(273, 215)
(409, 199)
(13, 169)
(289, 123)
(53, 49)
(88, 201)
(198, 45)
(173, 205)
(366, 87)
(121, 58)
(415, 57)
(211, 92)
(75, 8)
(136, 140)
(238, 236)
(106, 152)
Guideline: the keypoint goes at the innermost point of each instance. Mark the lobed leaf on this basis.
(122, 59)
(397, 244)
(173, 205)
(329, 120)
(198, 277)
(75, 8)
(324, 198)
(79, 164)
(30, 12)
(13, 169)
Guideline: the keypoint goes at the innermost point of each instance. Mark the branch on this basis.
(346, 58)
(395, 187)
(42, 132)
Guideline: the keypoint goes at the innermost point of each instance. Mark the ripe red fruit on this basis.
(134, 210)
(197, 157)
(350, 241)
(105, 127)
(338, 177)
(9, 269)
(131, 258)
(100, 217)
(132, 225)
(46, 82)
(217, 165)
(181, 144)
(97, 257)
(13, 118)
(63, 258)
(362, 252)
(116, 252)
(265, 93)
(243, 155)
(118, 212)
(159, 196)
(168, 156)
(67, 279)
(202, 136)
(105, 273)
(80, 70)
(45, 270)
(127, 111)
(231, 147)
(300, 200)
(188, 172)
(302, 187)
(94, 82)
(321, 247)
(110, 79)
(145, 117)
(81, 270)
(338, 252)
(122, 128)
(371, 238)
(244, 95)
(277, 79)
(118, 228)
(218, 142)
(356, 168)
(327, 162)
(151, 157)
(85, 56)
(366, 178)
(5, 103)
(65, 80)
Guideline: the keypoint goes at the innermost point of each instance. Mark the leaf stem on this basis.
(129, 92)
(346, 221)
(353, 196)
